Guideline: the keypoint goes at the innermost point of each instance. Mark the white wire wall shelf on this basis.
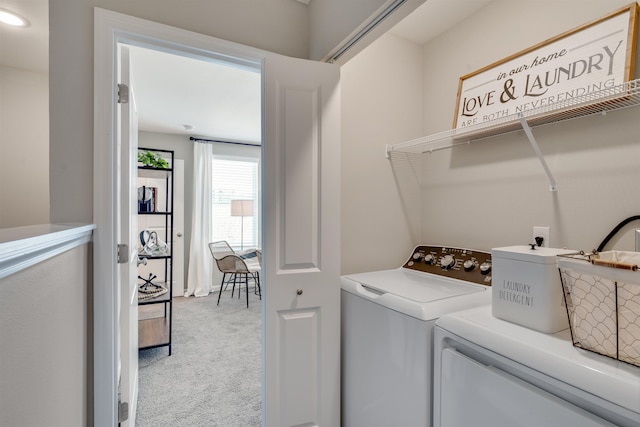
(597, 102)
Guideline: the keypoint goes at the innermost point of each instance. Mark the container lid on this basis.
(538, 255)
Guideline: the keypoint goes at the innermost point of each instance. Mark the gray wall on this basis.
(281, 26)
(490, 193)
(381, 104)
(275, 25)
(24, 147)
(493, 192)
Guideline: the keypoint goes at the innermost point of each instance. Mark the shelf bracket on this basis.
(553, 186)
(387, 151)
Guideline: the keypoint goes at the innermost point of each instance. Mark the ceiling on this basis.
(181, 95)
(217, 100)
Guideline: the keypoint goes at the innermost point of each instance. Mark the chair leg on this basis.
(233, 289)
(258, 285)
(256, 280)
(221, 287)
(226, 285)
(246, 287)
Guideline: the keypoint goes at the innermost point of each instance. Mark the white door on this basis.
(302, 243)
(128, 133)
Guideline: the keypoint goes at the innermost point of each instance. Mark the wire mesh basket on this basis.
(602, 295)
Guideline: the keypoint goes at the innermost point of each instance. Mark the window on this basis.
(236, 179)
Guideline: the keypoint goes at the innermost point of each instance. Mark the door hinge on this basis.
(123, 254)
(123, 94)
(123, 411)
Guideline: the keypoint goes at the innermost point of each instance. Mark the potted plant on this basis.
(149, 158)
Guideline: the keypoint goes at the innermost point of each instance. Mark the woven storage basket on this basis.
(602, 294)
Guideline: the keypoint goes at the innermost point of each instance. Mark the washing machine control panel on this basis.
(457, 263)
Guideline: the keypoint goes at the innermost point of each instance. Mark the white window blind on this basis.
(235, 179)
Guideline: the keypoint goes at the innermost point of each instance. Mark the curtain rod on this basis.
(191, 138)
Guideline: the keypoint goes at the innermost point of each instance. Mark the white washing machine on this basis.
(387, 332)
(489, 372)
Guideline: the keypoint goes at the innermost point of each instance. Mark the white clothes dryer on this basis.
(387, 332)
(489, 372)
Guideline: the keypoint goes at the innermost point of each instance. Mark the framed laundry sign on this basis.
(588, 59)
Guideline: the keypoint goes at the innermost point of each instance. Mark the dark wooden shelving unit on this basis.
(156, 331)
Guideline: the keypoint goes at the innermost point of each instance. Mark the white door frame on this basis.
(111, 28)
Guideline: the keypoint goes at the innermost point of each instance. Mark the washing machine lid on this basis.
(414, 286)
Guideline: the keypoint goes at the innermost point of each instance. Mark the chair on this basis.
(219, 250)
(253, 259)
(241, 267)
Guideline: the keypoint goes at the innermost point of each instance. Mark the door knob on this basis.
(179, 234)
(299, 292)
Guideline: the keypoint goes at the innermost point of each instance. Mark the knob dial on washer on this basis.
(485, 268)
(447, 262)
(429, 259)
(469, 265)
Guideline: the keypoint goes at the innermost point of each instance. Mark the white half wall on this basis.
(45, 356)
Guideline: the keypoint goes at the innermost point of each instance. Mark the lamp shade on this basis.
(242, 208)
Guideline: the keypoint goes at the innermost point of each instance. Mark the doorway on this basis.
(180, 98)
(112, 29)
(301, 213)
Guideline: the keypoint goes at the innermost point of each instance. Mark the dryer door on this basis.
(474, 394)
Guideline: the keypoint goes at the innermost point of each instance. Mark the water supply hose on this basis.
(616, 230)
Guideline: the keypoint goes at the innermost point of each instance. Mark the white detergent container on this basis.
(527, 289)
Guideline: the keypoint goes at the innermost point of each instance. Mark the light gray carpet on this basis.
(213, 376)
